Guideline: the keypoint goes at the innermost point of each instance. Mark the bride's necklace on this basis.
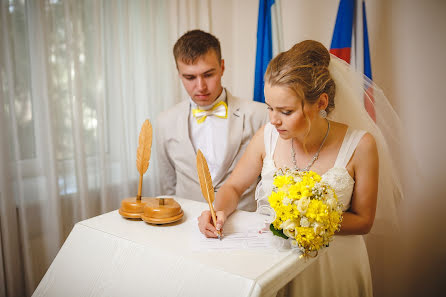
(316, 155)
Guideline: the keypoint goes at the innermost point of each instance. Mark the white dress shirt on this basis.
(210, 136)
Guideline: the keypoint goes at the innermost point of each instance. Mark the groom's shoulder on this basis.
(172, 112)
(247, 103)
(248, 107)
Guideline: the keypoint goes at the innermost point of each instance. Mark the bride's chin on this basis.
(285, 137)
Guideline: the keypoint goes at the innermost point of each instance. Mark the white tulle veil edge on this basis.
(354, 92)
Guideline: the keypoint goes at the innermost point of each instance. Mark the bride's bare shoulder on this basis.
(366, 144)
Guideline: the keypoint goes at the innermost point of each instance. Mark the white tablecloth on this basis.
(111, 256)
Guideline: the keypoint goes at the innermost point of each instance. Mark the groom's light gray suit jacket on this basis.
(177, 157)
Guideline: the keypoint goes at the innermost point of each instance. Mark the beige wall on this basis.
(416, 81)
(408, 48)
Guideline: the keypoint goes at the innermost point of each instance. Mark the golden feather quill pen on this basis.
(143, 152)
(206, 185)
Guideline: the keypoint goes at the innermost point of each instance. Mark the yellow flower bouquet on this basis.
(307, 210)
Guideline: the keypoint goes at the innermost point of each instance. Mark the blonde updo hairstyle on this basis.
(304, 70)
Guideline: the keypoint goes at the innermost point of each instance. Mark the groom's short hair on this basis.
(195, 44)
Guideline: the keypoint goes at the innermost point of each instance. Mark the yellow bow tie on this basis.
(219, 110)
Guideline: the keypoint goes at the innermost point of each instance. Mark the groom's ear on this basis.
(322, 101)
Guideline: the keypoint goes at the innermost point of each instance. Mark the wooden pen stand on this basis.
(160, 210)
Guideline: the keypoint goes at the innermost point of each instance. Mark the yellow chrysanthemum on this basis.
(282, 180)
(295, 191)
(275, 199)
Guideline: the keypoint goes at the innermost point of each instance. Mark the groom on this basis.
(213, 120)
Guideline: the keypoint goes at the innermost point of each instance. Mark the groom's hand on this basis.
(207, 227)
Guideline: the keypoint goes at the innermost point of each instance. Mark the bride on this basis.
(317, 123)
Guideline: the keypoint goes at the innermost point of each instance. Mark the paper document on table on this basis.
(243, 230)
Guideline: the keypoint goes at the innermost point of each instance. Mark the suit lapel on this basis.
(185, 144)
(234, 136)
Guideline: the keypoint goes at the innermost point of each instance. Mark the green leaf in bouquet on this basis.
(277, 232)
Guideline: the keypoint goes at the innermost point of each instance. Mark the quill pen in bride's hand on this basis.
(143, 152)
(206, 185)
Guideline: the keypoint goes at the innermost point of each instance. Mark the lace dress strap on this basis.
(270, 139)
(348, 147)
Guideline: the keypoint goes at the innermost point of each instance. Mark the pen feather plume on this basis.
(144, 147)
(143, 153)
(206, 185)
(205, 178)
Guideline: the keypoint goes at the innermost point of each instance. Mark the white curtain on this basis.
(77, 80)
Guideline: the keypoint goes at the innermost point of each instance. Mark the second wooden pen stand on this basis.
(161, 211)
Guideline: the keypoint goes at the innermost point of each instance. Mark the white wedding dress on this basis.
(343, 268)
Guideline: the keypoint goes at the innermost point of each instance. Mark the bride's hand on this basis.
(207, 227)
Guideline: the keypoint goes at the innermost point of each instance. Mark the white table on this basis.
(111, 256)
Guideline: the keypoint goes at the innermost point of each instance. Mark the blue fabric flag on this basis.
(367, 62)
(264, 51)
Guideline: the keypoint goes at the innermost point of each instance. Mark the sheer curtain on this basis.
(77, 80)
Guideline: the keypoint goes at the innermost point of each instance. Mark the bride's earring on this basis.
(323, 113)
